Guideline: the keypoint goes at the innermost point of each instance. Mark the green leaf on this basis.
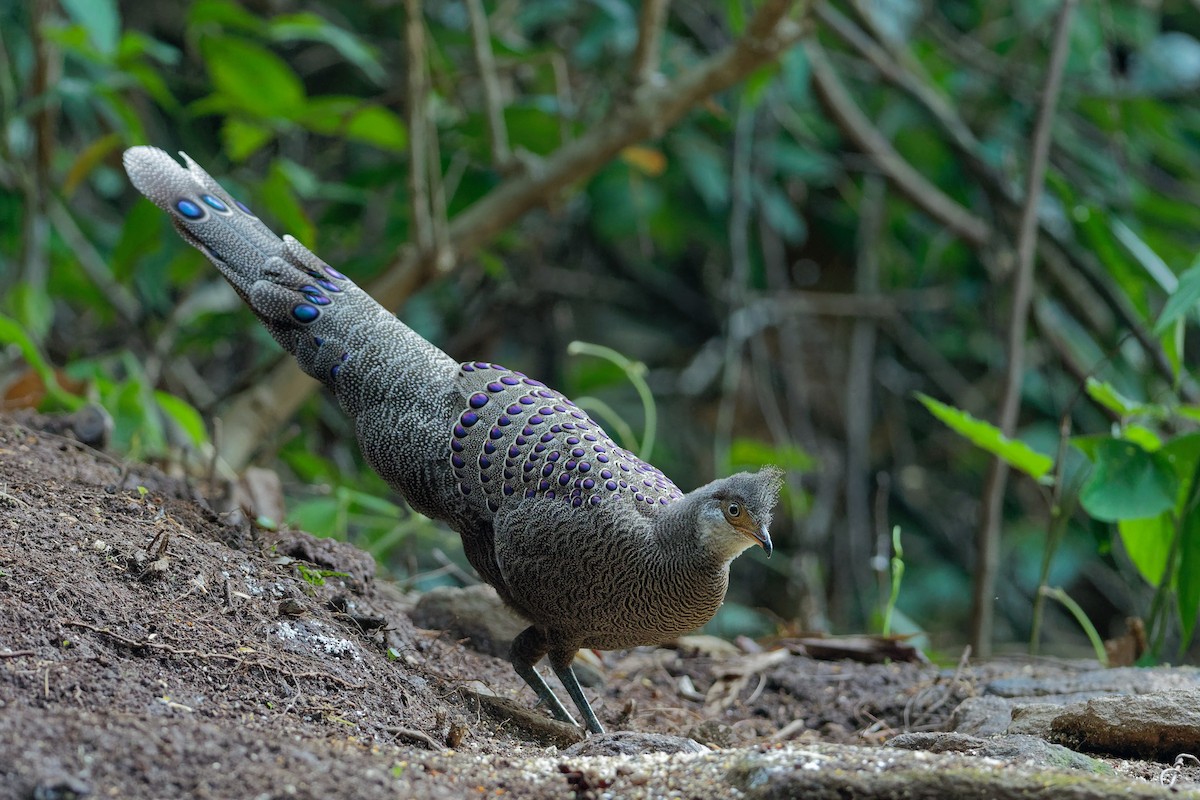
(13, 334)
(1128, 483)
(319, 515)
(100, 18)
(1147, 541)
(243, 139)
(252, 79)
(310, 27)
(182, 414)
(278, 198)
(1187, 593)
(1182, 300)
(225, 13)
(377, 126)
(986, 436)
(1106, 395)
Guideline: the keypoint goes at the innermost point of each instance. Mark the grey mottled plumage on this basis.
(595, 547)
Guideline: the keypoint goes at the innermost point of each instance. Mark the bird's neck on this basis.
(683, 545)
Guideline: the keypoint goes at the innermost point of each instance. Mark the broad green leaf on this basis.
(1183, 454)
(225, 13)
(252, 79)
(319, 515)
(182, 414)
(311, 27)
(1182, 300)
(13, 334)
(100, 18)
(1148, 543)
(1128, 483)
(752, 454)
(986, 436)
(1142, 436)
(278, 198)
(1107, 395)
(378, 126)
(243, 139)
(1187, 586)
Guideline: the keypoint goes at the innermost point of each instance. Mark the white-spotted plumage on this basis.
(591, 544)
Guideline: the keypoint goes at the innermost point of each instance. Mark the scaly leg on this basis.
(561, 660)
(528, 649)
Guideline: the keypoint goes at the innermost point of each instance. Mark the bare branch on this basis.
(970, 150)
(418, 127)
(651, 18)
(775, 27)
(493, 103)
(988, 538)
(911, 183)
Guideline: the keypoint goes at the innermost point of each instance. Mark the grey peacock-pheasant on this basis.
(593, 546)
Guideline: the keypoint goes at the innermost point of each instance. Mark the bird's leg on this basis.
(528, 649)
(561, 660)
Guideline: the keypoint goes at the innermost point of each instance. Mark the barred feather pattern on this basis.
(596, 547)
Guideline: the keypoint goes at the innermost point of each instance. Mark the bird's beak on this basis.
(762, 538)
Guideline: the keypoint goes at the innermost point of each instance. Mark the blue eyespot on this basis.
(243, 207)
(305, 313)
(213, 202)
(189, 209)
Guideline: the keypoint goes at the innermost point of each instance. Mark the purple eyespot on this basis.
(515, 409)
(489, 448)
(478, 400)
(495, 386)
(456, 445)
(584, 466)
(495, 433)
(594, 499)
(611, 486)
(333, 273)
(509, 380)
(457, 461)
(469, 418)
(243, 207)
(329, 285)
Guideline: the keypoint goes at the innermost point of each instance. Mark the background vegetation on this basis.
(836, 229)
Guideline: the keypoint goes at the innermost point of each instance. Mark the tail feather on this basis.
(336, 331)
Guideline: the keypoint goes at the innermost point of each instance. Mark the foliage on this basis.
(786, 288)
(1146, 480)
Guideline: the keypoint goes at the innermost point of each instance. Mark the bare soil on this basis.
(150, 647)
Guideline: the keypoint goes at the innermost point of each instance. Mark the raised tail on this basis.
(336, 331)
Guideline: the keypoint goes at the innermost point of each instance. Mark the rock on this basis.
(1026, 749)
(1034, 719)
(982, 716)
(630, 743)
(475, 613)
(1157, 726)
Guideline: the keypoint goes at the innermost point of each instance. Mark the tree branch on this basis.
(651, 18)
(911, 183)
(988, 538)
(418, 126)
(777, 25)
(493, 103)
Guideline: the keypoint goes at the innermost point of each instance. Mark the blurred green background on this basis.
(783, 270)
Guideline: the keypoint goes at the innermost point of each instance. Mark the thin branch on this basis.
(911, 183)
(988, 538)
(969, 149)
(651, 17)
(418, 127)
(776, 26)
(855, 546)
(493, 102)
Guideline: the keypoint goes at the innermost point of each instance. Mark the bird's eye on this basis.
(734, 509)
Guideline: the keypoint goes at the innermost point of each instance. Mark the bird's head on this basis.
(735, 512)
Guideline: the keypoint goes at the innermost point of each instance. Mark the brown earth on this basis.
(150, 647)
